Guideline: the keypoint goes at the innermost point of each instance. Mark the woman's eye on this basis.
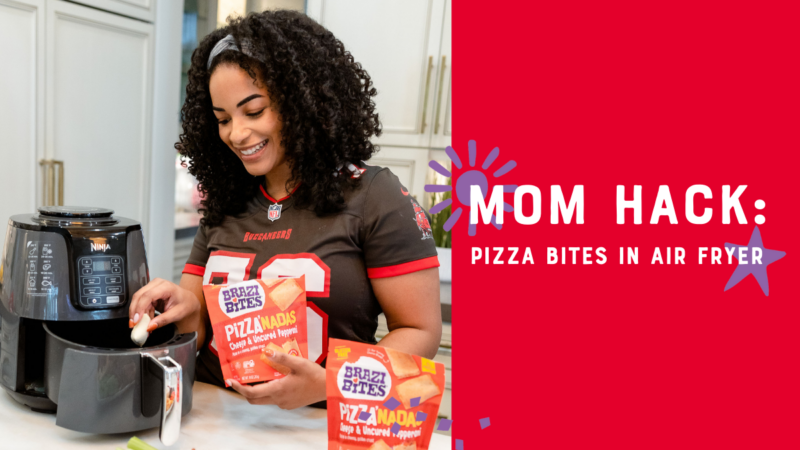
(256, 114)
(224, 121)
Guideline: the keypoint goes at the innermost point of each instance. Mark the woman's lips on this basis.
(254, 151)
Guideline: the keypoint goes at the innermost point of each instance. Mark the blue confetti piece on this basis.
(421, 416)
(391, 404)
(485, 422)
(459, 444)
(444, 425)
(415, 401)
(364, 416)
(395, 428)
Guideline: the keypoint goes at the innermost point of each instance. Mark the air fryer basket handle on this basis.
(161, 389)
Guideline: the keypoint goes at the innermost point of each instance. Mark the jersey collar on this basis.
(264, 191)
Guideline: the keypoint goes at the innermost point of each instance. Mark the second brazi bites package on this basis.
(251, 316)
(379, 398)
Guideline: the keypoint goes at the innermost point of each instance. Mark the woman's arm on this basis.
(198, 320)
(183, 305)
(413, 312)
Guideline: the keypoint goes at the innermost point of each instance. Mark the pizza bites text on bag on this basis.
(363, 379)
(251, 316)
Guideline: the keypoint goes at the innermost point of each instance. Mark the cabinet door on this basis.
(442, 127)
(99, 78)
(397, 42)
(21, 105)
(138, 9)
(409, 164)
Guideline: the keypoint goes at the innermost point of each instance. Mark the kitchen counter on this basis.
(220, 419)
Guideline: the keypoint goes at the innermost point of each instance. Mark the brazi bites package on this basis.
(379, 398)
(251, 316)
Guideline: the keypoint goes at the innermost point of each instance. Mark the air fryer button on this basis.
(114, 290)
(86, 271)
(113, 280)
(116, 260)
(86, 262)
(112, 299)
(91, 291)
(95, 300)
(116, 270)
(90, 281)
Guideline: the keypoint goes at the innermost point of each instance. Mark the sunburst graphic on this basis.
(474, 177)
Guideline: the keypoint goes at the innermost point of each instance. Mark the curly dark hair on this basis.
(323, 98)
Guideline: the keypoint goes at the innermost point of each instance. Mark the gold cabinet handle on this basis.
(427, 88)
(47, 195)
(441, 88)
(49, 182)
(60, 165)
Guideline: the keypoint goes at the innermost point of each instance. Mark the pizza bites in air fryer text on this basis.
(251, 316)
(363, 379)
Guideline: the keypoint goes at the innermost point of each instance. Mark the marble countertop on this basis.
(220, 419)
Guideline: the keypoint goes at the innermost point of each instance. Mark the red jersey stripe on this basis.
(193, 269)
(402, 269)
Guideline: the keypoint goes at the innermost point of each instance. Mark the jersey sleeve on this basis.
(397, 233)
(196, 264)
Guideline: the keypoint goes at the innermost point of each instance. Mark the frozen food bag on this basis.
(380, 398)
(251, 316)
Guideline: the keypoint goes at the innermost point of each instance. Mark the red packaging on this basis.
(366, 380)
(250, 316)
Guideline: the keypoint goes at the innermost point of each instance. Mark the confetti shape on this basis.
(421, 416)
(395, 428)
(391, 404)
(415, 401)
(485, 422)
(459, 444)
(364, 416)
(428, 366)
(444, 425)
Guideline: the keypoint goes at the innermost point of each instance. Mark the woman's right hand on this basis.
(174, 302)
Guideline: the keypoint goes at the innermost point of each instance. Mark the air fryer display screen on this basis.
(102, 266)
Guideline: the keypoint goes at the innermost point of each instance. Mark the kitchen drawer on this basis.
(138, 9)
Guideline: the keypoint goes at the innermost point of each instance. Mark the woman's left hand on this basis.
(303, 384)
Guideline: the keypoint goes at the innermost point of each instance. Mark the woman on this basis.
(277, 109)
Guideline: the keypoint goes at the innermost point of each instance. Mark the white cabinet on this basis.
(99, 89)
(442, 124)
(87, 87)
(409, 164)
(399, 43)
(21, 105)
(138, 9)
(405, 46)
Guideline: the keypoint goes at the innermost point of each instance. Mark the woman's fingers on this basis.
(260, 394)
(144, 299)
(173, 314)
(135, 306)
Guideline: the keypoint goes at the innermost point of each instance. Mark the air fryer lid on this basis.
(75, 212)
(75, 216)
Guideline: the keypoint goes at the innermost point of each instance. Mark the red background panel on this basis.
(629, 356)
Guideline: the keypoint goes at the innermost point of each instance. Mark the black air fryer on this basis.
(67, 276)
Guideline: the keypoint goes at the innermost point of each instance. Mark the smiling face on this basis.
(248, 124)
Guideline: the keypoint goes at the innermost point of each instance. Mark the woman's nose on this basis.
(239, 132)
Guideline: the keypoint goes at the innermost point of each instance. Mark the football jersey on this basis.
(382, 232)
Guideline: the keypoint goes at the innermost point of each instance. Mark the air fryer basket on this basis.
(94, 373)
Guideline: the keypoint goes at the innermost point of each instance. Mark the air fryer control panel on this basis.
(100, 270)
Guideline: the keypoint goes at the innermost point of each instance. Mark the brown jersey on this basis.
(382, 232)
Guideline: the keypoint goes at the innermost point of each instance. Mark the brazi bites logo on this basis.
(366, 379)
(704, 204)
(241, 299)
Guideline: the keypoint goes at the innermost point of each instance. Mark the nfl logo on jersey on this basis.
(274, 212)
